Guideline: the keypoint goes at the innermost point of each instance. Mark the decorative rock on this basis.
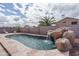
(69, 35)
(63, 44)
(57, 33)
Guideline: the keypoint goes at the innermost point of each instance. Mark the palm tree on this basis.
(46, 21)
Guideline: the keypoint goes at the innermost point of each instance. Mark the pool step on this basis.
(3, 51)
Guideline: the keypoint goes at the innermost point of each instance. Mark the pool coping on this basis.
(26, 34)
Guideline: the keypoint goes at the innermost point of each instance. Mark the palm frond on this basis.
(46, 21)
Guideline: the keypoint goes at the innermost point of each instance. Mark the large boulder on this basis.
(63, 44)
(57, 33)
(53, 34)
(70, 35)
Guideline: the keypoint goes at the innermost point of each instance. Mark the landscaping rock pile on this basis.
(64, 38)
(69, 35)
(63, 44)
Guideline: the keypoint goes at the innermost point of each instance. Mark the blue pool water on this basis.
(35, 42)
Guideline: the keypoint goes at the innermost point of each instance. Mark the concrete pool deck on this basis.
(15, 48)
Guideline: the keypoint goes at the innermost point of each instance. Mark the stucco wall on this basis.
(34, 30)
(44, 29)
(24, 30)
(75, 28)
(67, 22)
(38, 30)
(8, 29)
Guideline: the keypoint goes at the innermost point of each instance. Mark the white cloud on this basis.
(13, 22)
(9, 21)
(2, 14)
(2, 9)
(3, 19)
(69, 10)
(22, 10)
(14, 12)
(34, 14)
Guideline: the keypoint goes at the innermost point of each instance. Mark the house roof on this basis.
(66, 18)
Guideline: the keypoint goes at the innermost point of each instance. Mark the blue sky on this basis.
(14, 9)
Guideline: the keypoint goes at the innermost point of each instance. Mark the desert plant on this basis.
(17, 28)
(46, 21)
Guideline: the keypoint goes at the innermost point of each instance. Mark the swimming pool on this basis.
(35, 42)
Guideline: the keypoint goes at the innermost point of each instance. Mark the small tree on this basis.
(16, 19)
(18, 27)
(46, 21)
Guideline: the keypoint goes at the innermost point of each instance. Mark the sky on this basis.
(16, 9)
(30, 13)
(10, 11)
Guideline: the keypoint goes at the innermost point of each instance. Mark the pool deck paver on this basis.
(54, 52)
